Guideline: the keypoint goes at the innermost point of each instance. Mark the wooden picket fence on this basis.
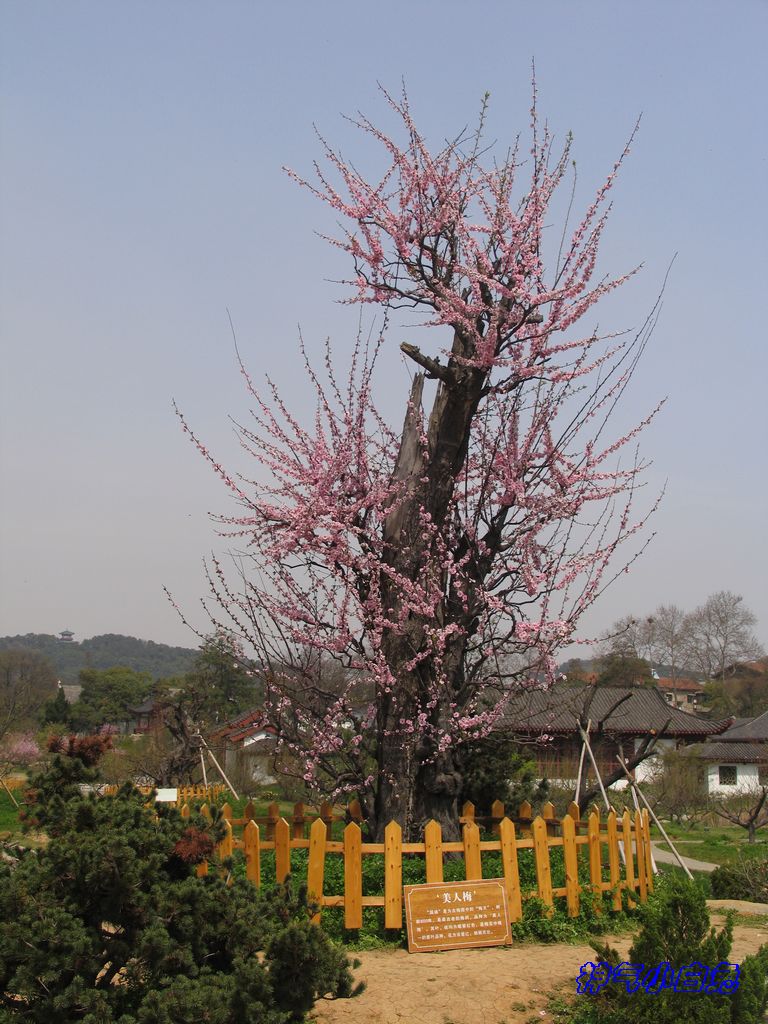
(524, 817)
(301, 819)
(185, 793)
(625, 839)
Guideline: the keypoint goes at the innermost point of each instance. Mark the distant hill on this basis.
(105, 651)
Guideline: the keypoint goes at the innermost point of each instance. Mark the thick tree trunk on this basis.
(416, 782)
(412, 792)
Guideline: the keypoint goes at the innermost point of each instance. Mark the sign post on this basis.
(457, 915)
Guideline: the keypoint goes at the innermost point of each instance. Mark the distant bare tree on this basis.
(633, 637)
(748, 809)
(719, 635)
(677, 788)
(27, 680)
(670, 637)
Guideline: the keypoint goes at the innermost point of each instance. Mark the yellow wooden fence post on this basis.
(297, 829)
(614, 868)
(282, 850)
(524, 814)
(595, 861)
(548, 814)
(316, 865)
(393, 874)
(251, 846)
(642, 873)
(647, 846)
(226, 845)
(472, 858)
(433, 851)
(511, 870)
(541, 856)
(273, 816)
(626, 834)
(571, 862)
(497, 816)
(326, 814)
(355, 811)
(353, 877)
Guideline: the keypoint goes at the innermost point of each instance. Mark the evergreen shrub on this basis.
(675, 928)
(109, 922)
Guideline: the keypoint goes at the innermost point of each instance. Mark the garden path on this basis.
(663, 855)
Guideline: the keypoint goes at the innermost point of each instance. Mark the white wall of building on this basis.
(746, 779)
(646, 769)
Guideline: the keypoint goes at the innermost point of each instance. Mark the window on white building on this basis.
(727, 774)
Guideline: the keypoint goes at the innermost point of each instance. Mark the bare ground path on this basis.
(479, 986)
(663, 855)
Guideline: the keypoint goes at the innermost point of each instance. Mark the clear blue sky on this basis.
(142, 197)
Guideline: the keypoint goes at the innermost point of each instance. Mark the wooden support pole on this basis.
(581, 764)
(640, 793)
(221, 771)
(585, 741)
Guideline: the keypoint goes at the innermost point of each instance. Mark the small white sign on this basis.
(167, 796)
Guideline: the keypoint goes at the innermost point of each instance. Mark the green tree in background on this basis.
(619, 669)
(56, 711)
(495, 768)
(230, 681)
(220, 685)
(107, 696)
(744, 694)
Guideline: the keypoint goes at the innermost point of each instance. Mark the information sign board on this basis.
(457, 915)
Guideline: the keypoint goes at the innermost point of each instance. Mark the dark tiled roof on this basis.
(730, 753)
(644, 710)
(755, 729)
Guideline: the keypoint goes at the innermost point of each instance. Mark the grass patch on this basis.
(9, 815)
(714, 843)
(701, 878)
(536, 926)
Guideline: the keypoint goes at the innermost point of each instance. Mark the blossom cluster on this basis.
(433, 576)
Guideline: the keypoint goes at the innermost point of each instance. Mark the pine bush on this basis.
(109, 922)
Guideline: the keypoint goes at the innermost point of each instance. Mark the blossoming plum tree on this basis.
(441, 564)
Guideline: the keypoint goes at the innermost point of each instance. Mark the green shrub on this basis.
(744, 879)
(496, 768)
(114, 895)
(726, 885)
(675, 929)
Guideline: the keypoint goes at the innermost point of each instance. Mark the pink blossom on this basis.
(501, 548)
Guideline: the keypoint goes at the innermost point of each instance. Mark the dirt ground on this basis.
(480, 986)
